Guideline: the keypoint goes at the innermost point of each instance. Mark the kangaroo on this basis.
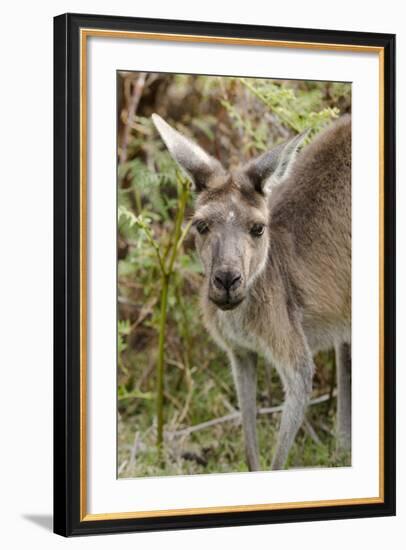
(274, 238)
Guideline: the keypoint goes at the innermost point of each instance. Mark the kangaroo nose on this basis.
(227, 280)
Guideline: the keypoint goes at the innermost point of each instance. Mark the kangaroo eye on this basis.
(202, 227)
(257, 229)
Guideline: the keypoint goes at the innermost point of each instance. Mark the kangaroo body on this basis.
(276, 246)
(307, 277)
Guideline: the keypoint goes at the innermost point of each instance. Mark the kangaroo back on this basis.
(312, 210)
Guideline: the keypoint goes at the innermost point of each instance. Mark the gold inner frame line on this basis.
(84, 34)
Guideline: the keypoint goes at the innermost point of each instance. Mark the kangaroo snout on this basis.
(224, 279)
(226, 288)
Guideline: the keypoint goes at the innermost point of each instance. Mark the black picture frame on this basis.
(67, 351)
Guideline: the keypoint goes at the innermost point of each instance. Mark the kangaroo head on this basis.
(231, 218)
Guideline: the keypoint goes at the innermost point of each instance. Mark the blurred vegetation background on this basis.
(233, 119)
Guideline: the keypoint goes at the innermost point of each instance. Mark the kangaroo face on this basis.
(231, 220)
(231, 236)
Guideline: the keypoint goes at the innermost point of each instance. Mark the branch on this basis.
(134, 450)
(127, 302)
(311, 432)
(183, 235)
(237, 418)
(178, 235)
(141, 224)
(132, 109)
(155, 246)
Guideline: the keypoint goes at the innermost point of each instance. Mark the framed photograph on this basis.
(224, 274)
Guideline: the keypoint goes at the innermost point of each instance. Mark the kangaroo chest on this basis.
(242, 327)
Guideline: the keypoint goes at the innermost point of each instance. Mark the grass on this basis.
(219, 448)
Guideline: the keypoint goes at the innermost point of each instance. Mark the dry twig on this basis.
(311, 431)
(236, 417)
(133, 101)
(134, 450)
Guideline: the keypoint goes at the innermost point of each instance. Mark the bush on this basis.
(233, 119)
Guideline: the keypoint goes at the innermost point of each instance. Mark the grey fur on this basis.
(343, 359)
(285, 294)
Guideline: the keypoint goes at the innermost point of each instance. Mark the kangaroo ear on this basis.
(274, 166)
(197, 164)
